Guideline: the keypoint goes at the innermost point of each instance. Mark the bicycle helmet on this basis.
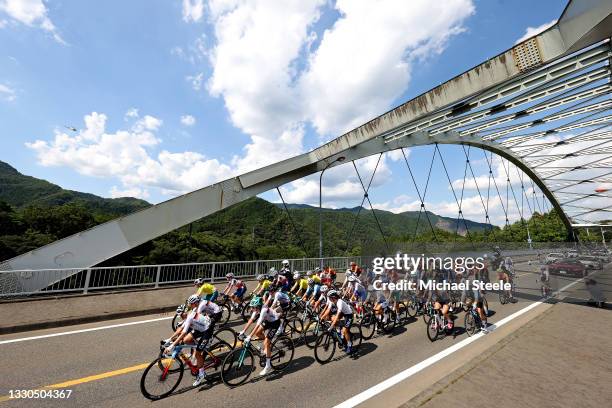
(256, 302)
(261, 277)
(285, 262)
(198, 282)
(317, 270)
(180, 309)
(352, 278)
(273, 272)
(333, 294)
(229, 276)
(310, 281)
(297, 275)
(193, 299)
(324, 289)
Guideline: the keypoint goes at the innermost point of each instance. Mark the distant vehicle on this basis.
(572, 254)
(591, 262)
(567, 267)
(602, 254)
(554, 256)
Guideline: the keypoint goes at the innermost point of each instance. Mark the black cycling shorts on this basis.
(271, 327)
(348, 319)
(203, 338)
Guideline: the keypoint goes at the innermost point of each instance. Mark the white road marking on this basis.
(391, 381)
(112, 326)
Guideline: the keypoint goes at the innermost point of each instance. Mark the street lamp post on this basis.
(339, 159)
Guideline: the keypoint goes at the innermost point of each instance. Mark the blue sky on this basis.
(189, 92)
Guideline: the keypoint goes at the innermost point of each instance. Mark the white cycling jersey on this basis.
(344, 307)
(208, 307)
(269, 315)
(280, 298)
(196, 321)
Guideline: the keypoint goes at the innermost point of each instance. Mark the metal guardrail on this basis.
(85, 280)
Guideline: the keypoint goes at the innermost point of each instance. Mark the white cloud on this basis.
(7, 93)
(193, 10)
(32, 13)
(380, 57)
(188, 120)
(196, 81)
(531, 31)
(131, 113)
(127, 155)
(3, 23)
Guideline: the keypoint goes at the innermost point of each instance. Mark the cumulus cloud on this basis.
(131, 113)
(188, 120)
(115, 192)
(32, 13)
(127, 154)
(196, 81)
(531, 31)
(7, 93)
(193, 10)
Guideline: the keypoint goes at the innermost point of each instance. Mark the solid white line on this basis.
(83, 330)
(391, 381)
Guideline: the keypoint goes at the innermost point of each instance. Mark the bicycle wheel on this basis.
(237, 367)
(294, 328)
(226, 335)
(246, 313)
(215, 356)
(311, 331)
(161, 378)
(226, 313)
(469, 322)
(325, 347)
(432, 328)
(389, 325)
(411, 310)
(176, 321)
(282, 352)
(368, 326)
(356, 335)
(402, 312)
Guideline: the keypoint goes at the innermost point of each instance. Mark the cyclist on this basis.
(300, 286)
(267, 325)
(322, 300)
(545, 280)
(237, 285)
(206, 290)
(441, 301)
(478, 302)
(282, 282)
(312, 293)
(263, 283)
(196, 326)
(505, 273)
(256, 303)
(344, 311)
(286, 272)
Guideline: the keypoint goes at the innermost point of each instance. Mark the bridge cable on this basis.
(421, 199)
(513, 194)
(454, 195)
(486, 208)
(366, 196)
(524, 195)
(501, 201)
(298, 233)
(416, 229)
(350, 233)
(461, 199)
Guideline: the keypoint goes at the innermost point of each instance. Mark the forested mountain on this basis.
(34, 212)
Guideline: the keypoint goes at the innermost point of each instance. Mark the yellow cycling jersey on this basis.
(316, 279)
(303, 283)
(206, 289)
(265, 284)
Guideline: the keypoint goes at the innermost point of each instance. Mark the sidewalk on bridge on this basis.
(557, 357)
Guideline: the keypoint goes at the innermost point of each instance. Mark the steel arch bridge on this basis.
(544, 105)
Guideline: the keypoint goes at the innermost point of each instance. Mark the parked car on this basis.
(567, 267)
(553, 257)
(603, 255)
(572, 254)
(591, 262)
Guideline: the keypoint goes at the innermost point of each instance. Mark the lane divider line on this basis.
(409, 372)
(112, 326)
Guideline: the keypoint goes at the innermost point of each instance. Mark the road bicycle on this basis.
(329, 340)
(506, 296)
(240, 362)
(384, 322)
(472, 321)
(183, 309)
(164, 374)
(437, 325)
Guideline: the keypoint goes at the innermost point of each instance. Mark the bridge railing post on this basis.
(87, 278)
(212, 273)
(157, 276)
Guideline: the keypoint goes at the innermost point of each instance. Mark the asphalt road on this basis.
(103, 367)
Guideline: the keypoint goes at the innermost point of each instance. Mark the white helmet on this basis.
(285, 262)
(324, 289)
(273, 272)
(193, 299)
(198, 282)
(296, 275)
(230, 276)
